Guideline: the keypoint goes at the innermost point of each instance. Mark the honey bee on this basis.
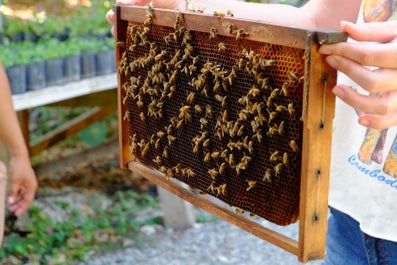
(225, 115)
(222, 47)
(274, 156)
(224, 153)
(187, 37)
(145, 150)
(178, 20)
(281, 108)
(272, 130)
(140, 103)
(281, 128)
(207, 157)
(172, 91)
(251, 184)
(127, 115)
(219, 14)
(169, 174)
(291, 109)
(230, 28)
(157, 160)
(231, 160)
(230, 13)
(258, 135)
(188, 172)
(157, 143)
(184, 113)
(294, 146)
(179, 124)
(171, 138)
(274, 93)
(272, 116)
(265, 63)
(190, 97)
(222, 168)
(221, 190)
(240, 131)
(285, 158)
(167, 39)
(203, 122)
(213, 173)
(277, 168)
(268, 175)
(142, 116)
(133, 144)
(165, 152)
(284, 89)
(160, 134)
(206, 142)
(239, 211)
(211, 187)
(254, 91)
(241, 33)
(196, 148)
(213, 33)
(292, 76)
(250, 147)
(160, 56)
(215, 154)
(198, 108)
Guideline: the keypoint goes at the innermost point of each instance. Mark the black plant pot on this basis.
(72, 68)
(105, 62)
(35, 76)
(54, 72)
(17, 78)
(88, 68)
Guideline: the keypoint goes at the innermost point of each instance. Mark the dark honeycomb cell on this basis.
(240, 150)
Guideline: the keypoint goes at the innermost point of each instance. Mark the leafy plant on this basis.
(47, 239)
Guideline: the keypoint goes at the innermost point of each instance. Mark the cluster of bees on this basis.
(174, 92)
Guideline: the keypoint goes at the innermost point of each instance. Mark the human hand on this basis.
(165, 4)
(23, 185)
(378, 109)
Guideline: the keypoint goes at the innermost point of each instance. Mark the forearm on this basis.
(10, 132)
(315, 14)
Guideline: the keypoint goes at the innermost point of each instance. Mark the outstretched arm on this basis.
(23, 183)
(315, 14)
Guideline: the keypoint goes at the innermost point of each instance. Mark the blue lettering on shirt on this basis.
(372, 173)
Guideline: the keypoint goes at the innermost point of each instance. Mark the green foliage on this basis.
(77, 236)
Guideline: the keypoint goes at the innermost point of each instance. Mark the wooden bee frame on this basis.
(176, 66)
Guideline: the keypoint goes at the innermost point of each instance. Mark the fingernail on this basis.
(331, 60)
(324, 50)
(338, 91)
(365, 122)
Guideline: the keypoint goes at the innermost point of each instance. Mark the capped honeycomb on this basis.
(221, 113)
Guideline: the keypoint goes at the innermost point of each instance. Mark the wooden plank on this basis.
(125, 154)
(254, 228)
(316, 156)
(79, 158)
(69, 128)
(107, 98)
(71, 90)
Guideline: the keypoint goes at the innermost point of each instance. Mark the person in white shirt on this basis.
(362, 227)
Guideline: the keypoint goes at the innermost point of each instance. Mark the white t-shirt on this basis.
(364, 161)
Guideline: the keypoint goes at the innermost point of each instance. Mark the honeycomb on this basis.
(219, 113)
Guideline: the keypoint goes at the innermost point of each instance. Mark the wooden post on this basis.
(178, 214)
